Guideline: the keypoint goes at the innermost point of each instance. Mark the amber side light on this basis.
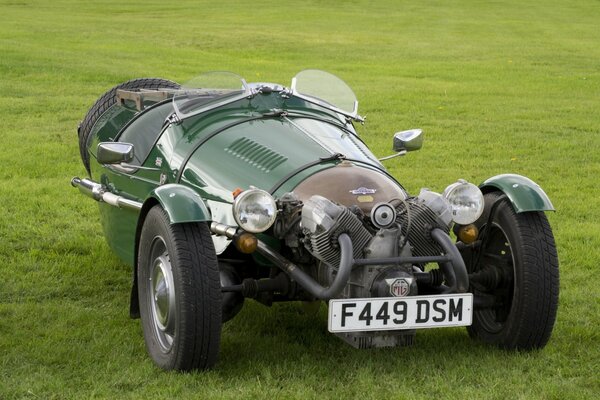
(468, 233)
(236, 192)
(246, 242)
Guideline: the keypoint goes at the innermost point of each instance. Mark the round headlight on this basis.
(254, 210)
(466, 202)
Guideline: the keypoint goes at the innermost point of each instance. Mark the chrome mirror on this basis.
(410, 140)
(114, 153)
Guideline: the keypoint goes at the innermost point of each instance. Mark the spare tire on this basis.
(105, 102)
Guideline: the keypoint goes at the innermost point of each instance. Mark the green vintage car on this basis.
(219, 190)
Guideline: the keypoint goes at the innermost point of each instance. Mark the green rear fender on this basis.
(181, 203)
(524, 194)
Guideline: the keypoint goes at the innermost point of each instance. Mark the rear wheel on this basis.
(516, 270)
(106, 101)
(179, 293)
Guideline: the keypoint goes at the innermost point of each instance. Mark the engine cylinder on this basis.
(417, 221)
(324, 221)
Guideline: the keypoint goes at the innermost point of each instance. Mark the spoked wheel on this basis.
(179, 292)
(516, 271)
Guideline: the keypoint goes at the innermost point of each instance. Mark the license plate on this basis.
(390, 313)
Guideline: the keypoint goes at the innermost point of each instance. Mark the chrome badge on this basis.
(400, 287)
(363, 191)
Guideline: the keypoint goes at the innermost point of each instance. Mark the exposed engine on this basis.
(417, 216)
(398, 228)
(323, 221)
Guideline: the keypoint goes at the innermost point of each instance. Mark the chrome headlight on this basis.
(254, 210)
(466, 202)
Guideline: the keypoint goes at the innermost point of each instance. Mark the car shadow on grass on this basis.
(284, 340)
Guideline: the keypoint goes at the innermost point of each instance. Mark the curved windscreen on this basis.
(325, 89)
(208, 91)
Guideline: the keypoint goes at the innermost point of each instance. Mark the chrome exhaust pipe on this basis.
(99, 193)
(88, 188)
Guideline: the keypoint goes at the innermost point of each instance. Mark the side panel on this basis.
(120, 224)
(119, 230)
(524, 194)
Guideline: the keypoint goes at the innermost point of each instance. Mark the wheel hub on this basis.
(162, 295)
(498, 258)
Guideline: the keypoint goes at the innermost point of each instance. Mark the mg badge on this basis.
(363, 191)
(400, 287)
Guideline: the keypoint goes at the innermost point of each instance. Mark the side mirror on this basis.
(114, 153)
(410, 140)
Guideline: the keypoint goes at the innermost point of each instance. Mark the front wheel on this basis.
(179, 293)
(516, 270)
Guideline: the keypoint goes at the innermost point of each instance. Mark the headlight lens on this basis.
(466, 202)
(254, 210)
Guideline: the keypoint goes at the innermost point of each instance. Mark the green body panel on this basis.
(258, 153)
(181, 203)
(119, 225)
(192, 167)
(524, 194)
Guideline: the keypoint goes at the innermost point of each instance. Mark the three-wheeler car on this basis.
(220, 190)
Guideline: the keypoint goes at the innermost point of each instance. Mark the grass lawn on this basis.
(502, 86)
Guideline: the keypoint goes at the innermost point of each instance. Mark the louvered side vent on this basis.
(255, 154)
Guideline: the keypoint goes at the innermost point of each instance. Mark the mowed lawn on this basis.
(502, 86)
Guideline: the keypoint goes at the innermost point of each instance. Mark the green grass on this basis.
(503, 86)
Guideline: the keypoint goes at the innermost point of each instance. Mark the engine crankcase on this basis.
(382, 281)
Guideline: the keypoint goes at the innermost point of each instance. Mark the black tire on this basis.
(519, 254)
(179, 293)
(105, 102)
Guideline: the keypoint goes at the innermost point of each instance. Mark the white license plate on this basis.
(389, 313)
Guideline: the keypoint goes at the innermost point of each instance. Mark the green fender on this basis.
(181, 203)
(523, 193)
